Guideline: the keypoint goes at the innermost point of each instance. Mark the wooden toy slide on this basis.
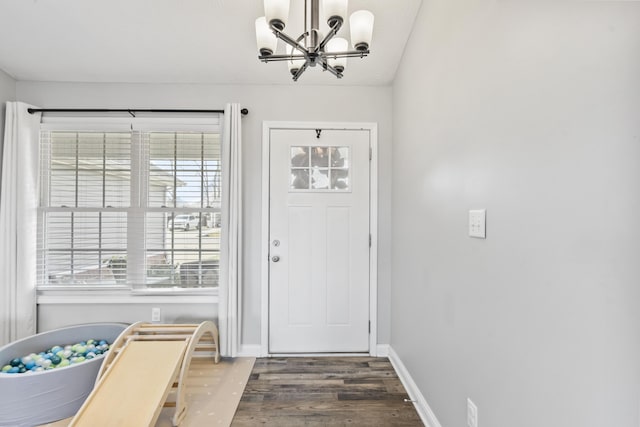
(144, 371)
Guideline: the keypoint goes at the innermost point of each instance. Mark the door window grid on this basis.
(319, 168)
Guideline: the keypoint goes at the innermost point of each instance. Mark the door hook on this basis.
(318, 131)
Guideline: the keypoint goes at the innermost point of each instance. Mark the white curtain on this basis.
(230, 295)
(18, 223)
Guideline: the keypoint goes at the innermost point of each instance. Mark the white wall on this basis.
(287, 102)
(532, 111)
(7, 93)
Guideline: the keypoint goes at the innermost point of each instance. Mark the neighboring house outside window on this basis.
(136, 209)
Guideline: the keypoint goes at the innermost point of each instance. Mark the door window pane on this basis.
(299, 168)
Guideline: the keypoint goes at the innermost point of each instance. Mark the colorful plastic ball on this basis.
(56, 357)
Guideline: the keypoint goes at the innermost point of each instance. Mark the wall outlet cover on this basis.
(477, 223)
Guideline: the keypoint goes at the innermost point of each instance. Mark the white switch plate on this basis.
(477, 223)
(155, 314)
(472, 414)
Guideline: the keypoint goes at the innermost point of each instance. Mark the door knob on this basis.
(275, 258)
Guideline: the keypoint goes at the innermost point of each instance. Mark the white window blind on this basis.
(134, 209)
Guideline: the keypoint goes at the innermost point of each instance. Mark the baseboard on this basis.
(250, 350)
(426, 414)
(382, 350)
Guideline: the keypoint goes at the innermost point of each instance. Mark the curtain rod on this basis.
(131, 111)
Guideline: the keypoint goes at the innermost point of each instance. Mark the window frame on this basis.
(136, 126)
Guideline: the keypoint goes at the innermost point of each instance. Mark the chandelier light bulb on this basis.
(334, 11)
(337, 44)
(266, 40)
(277, 13)
(361, 29)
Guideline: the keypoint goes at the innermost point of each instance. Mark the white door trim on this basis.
(267, 126)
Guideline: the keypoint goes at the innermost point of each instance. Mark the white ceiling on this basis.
(176, 41)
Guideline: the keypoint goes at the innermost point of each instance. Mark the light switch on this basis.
(477, 223)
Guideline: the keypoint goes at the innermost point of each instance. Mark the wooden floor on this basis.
(324, 391)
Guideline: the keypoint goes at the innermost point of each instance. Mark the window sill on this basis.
(127, 296)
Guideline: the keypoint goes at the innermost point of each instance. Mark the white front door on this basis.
(319, 241)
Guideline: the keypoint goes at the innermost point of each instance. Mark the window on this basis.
(135, 209)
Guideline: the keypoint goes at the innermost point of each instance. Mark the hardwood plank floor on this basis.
(324, 391)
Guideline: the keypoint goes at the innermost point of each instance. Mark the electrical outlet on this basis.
(477, 223)
(155, 314)
(472, 414)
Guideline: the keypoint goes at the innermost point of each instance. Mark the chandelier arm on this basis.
(334, 30)
(276, 58)
(347, 54)
(301, 70)
(325, 66)
(289, 40)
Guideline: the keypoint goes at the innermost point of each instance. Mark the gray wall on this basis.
(7, 93)
(53, 316)
(286, 102)
(530, 110)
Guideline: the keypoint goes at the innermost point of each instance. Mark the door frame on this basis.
(267, 126)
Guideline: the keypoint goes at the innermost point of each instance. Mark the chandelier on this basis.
(311, 48)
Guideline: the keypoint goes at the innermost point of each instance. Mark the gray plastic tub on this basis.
(42, 397)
